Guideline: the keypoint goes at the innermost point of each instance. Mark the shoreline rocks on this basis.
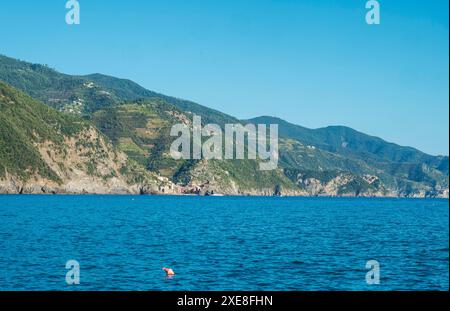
(46, 188)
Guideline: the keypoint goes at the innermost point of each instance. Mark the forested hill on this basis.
(334, 160)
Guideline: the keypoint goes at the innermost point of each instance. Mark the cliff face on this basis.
(44, 151)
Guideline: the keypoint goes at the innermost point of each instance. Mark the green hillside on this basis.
(335, 160)
(46, 151)
(24, 122)
(397, 166)
(86, 94)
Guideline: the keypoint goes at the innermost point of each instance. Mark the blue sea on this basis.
(223, 243)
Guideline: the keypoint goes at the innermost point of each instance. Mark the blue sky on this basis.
(311, 62)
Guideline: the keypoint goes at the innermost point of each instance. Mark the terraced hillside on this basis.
(334, 160)
(45, 151)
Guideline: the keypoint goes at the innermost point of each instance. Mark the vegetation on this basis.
(138, 122)
(24, 122)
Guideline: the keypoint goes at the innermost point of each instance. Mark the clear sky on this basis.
(311, 62)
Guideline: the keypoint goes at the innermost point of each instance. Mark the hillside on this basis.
(334, 160)
(86, 94)
(402, 169)
(45, 151)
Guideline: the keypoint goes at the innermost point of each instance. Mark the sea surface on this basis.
(222, 243)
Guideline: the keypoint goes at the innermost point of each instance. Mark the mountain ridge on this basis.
(334, 160)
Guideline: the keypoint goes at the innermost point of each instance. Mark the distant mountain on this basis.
(334, 160)
(400, 168)
(346, 140)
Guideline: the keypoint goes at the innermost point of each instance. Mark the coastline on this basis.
(414, 196)
(163, 186)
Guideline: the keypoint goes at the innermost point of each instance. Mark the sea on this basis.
(222, 243)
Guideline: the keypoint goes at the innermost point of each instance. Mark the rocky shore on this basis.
(116, 186)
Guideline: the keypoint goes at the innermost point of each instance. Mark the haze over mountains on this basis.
(100, 134)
